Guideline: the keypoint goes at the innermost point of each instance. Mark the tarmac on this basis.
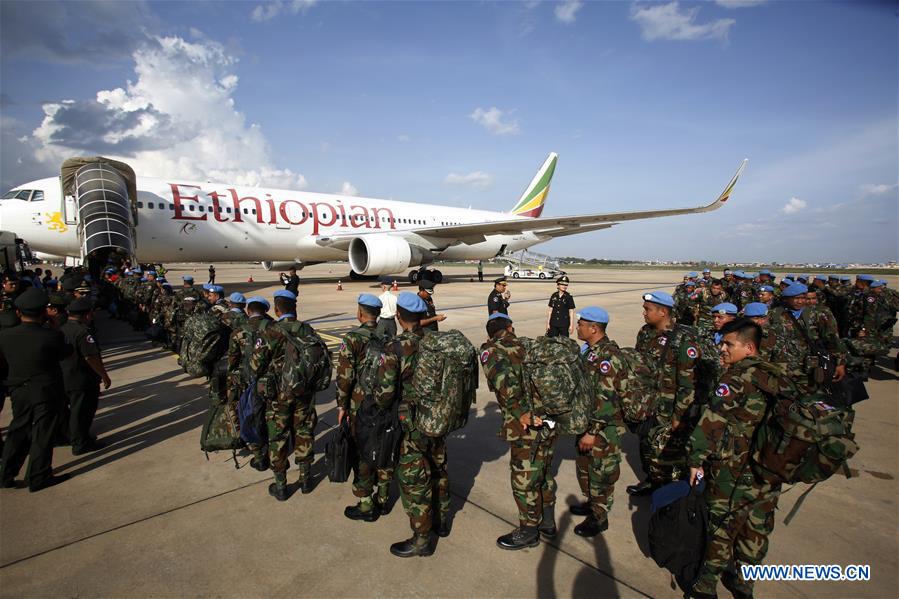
(151, 516)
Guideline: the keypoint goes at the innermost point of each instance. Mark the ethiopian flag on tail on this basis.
(534, 197)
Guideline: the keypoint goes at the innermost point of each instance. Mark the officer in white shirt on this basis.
(386, 321)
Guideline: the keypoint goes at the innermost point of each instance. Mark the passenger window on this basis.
(191, 207)
(200, 208)
(140, 204)
(245, 211)
(150, 205)
(171, 206)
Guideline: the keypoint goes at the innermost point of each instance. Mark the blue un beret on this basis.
(659, 297)
(187, 278)
(725, 308)
(764, 271)
(151, 272)
(845, 278)
(690, 284)
(755, 309)
(411, 302)
(217, 289)
(794, 290)
(692, 274)
(767, 288)
(706, 271)
(367, 299)
(237, 298)
(285, 294)
(820, 278)
(258, 299)
(865, 278)
(878, 283)
(594, 314)
(497, 315)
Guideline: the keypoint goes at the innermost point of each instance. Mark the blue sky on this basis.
(649, 104)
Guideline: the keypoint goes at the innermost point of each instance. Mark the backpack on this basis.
(367, 369)
(378, 433)
(307, 364)
(444, 382)
(638, 400)
(220, 431)
(204, 342)
(251, 413)
(803, 441)
(678, 530)
(338, 454)
(556, 383)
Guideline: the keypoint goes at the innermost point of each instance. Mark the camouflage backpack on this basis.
(204, 342)
(638, 398)
(367, 370)
(804, 440)
(220, 432)
(444, 382)
(307, 362)
(556, 384)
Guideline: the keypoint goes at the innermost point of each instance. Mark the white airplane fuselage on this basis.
(188, 221)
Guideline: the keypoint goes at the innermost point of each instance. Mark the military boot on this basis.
(591, 527)
(697, 595)
(278, 489)
(417, 545)
(548, 526)
(520, 538)
(366, 510)
(581, 509)
(639, 489)
(260, 462)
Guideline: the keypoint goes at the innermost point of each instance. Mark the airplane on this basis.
(98, 206)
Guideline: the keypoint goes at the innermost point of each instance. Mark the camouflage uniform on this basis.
(240, 349)
(531, 450)
(287, 416)
(350, 394)
(819, 326)
(598, 469)
(706, 302)
(877, 320)
(421, 470)
(741, 510)
(676, 351)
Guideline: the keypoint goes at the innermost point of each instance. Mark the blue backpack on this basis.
(251, 413)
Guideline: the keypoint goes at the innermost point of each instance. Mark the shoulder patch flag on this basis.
(692, 353)
(485, 355)
(723, 390)
(605, 367)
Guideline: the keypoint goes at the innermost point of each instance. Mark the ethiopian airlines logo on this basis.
(55, 222)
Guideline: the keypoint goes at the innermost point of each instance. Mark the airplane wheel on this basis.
(436, 276)
(514, 275)
(542, 275)
(413, 277)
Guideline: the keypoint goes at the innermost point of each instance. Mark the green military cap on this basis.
(81, 305)
(32, 301)
(71, 283)
(58, 300)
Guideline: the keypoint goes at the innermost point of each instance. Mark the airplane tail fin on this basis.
(534, 197)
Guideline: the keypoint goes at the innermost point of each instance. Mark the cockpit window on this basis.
(37, 196)
(11, 194)
(23, 195)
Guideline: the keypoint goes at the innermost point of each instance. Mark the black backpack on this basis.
(678, 532)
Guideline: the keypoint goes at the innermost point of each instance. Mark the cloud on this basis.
(794, 205)
(670, 22)
(177, 119)
(270, 10)
(90, 32)
(492, 121)
(475, 179)
(739, 3)
(403, 139)
(348, 189)
(877, 189)
(566, 11)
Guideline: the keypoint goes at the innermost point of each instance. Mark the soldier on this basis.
(387, 317)
(531, 443)
(875, 336)
(706, 277)
(56, 310)
(709, 298)
(766, 295)
(741, 510)
(498, 300)
(599, 449)
(34, 378)
(426, 292)
(421, 469)
(83, 371)
(560, 310)
(351, 391)
(215, 295)
(240, 348)
(236, 314)
(770, 349)
(686, 304)
(800, 330)
(676, 351)
(286, 415)
(855, 308)
(722, 314)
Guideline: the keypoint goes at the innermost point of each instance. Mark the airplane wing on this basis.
(547, 227)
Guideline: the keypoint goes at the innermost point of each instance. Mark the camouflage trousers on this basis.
(741, 518)
(421, 474)
(533, 485)
(367, 480)
(598, 471)
(291, 419)
(663, 453)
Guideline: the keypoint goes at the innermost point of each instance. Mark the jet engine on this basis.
(282, 266)
(385, 254)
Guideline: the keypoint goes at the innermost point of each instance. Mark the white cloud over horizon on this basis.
(566, 11)
(269, 10)
(348, 189)
(671, 22)
(878, 188)
(492, 121)
(474, 179)
(794, 205)
(176, 119)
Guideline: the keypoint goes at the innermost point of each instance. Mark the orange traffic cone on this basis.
(250, 280)
(339, 286)
(394, 287)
